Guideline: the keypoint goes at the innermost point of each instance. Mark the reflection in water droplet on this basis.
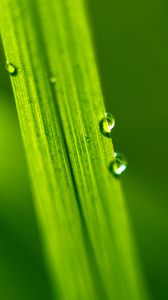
(107, 124)
(118, 165)
(11, 68)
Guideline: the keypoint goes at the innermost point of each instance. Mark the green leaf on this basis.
(79, 203)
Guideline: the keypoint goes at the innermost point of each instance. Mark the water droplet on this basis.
(107, 124)
(87, 139)
(53, 79)
(11, 68)
(118, 165)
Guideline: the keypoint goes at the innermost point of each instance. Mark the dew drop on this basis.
(53, 79)
(107, 124)
(118, 165)
(11, 68)
(87, 139)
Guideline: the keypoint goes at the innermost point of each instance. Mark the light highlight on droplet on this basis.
(53, 79)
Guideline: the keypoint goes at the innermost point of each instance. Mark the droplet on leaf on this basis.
(107, 124)
(118, 165)
(11, 68)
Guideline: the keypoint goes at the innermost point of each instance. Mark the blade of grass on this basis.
(59, 102)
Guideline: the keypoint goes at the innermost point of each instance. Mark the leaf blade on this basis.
(80, 205)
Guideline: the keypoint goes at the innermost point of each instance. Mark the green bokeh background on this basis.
(132, 53)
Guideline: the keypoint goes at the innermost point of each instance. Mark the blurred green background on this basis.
(132, 53)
